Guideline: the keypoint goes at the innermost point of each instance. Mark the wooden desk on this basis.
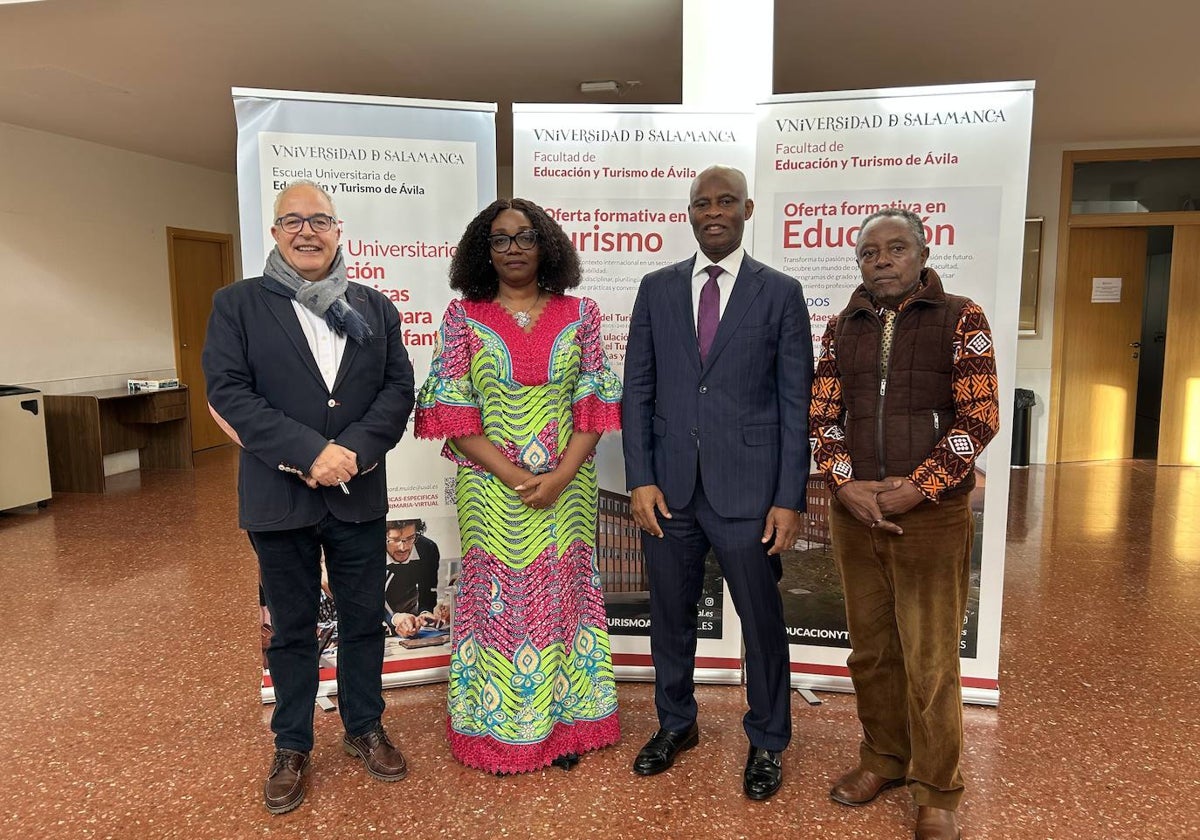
(82, 428)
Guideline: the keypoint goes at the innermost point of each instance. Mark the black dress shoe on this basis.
(566, 761)
(660, 751)
(764, 773)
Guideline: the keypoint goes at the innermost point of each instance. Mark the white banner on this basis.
(406, 177)
(959, 157)
(617, 179)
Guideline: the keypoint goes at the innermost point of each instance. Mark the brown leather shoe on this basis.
(382, 760)
(284, 789)
(937, 824)
(860, 786)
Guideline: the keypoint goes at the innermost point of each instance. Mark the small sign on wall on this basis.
(1106, 290)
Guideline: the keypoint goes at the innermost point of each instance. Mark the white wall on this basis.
(83, 251)
(1034, 354)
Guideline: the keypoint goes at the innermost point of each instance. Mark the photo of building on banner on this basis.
(405, 177)
(956, 157)
(618, 181)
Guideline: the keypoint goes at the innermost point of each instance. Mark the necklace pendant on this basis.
(522, 319)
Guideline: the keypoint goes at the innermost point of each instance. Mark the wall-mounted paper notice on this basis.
(1106, 290)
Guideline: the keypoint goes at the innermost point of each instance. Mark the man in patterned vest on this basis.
(904, 400)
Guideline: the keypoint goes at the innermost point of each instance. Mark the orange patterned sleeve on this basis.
(976, 404)
(825, 415)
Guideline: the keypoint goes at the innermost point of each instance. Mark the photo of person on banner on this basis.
(904, 401)
(718, 372)
(307, 372)
(521, 390)
(411, 585)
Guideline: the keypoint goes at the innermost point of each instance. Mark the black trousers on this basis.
(289, 563)
(675, 565)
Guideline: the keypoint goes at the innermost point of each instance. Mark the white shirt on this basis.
(326, 345)
(732, 265)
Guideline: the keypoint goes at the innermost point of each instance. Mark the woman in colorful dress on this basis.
(521, 390)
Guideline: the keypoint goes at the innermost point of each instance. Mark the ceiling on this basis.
(154, 76)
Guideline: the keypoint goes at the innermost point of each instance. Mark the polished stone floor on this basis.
(132, 639)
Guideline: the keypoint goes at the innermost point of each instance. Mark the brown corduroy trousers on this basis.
(905, 601)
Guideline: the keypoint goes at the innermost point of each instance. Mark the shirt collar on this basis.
(732, 263)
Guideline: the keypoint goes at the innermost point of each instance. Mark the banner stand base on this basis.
(325, 704)
(809, 698)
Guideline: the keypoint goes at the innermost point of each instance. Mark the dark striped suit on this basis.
(724, 441)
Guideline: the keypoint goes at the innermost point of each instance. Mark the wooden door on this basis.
(201, 263)
(1102, 327)
(1179, 432)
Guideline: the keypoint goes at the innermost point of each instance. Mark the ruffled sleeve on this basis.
(596, 404)
(448, 404)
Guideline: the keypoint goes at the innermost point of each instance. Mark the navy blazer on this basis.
(263, 380)
(741, 419)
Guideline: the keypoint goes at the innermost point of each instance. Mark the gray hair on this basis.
(907, 216)
(303, 182)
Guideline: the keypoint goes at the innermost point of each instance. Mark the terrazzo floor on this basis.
(132, 646)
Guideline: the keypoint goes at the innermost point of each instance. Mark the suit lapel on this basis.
(680, 295)
(281, 308)
(745, 290)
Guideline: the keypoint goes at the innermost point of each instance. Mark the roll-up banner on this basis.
(617, 179)
(959, 157)
(406, 177)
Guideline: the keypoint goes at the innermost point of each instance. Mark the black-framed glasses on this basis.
(319, 222)
(525, 240)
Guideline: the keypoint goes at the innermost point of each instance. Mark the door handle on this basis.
(1131, 344)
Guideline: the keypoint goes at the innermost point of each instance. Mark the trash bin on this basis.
(25, 476)
(1021, 424)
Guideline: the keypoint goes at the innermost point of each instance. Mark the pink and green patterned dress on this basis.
(530, 669)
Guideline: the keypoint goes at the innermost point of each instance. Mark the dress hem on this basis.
(483, 752)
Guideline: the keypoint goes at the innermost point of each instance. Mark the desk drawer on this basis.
(153, 408)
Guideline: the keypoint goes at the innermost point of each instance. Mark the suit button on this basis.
(695, 431)
(331, 403)
(703, 389)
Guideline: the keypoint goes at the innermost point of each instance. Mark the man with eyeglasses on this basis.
(308, 374)
(412, 578)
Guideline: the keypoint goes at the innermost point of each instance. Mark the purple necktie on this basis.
(709, 313)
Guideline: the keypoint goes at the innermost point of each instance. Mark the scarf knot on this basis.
(326, 297)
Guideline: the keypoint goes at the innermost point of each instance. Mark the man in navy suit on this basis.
(717, 376)
(308, 374)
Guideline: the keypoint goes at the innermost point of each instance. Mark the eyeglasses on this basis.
(319, 222)
(525, 240)
(402, 540)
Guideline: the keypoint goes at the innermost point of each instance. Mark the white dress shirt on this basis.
(326, 345)
(732, 265)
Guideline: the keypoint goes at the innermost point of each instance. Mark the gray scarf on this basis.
(326, 298)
